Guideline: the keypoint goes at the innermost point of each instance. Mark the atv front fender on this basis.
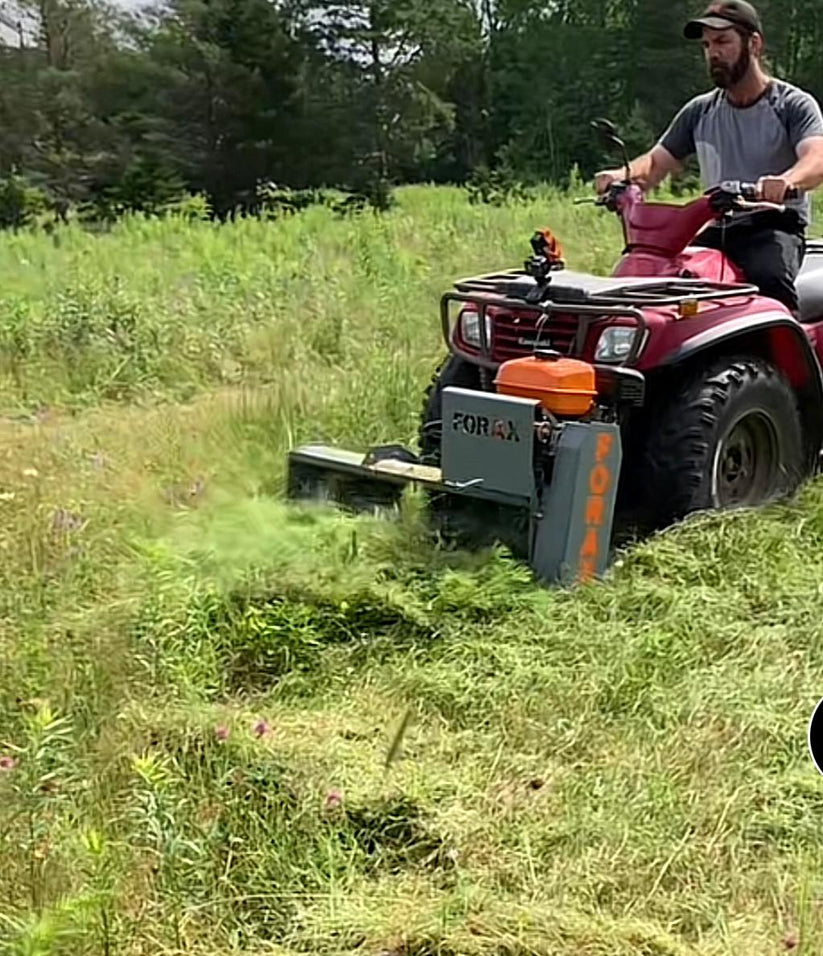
(774, 336)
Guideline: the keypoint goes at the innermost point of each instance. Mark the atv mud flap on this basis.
(500, 460)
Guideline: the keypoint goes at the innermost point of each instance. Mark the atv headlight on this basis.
(470, 329)
(615, 344)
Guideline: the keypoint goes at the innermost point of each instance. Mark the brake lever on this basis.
(759, 206)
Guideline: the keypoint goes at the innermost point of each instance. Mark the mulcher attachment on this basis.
(555, 480)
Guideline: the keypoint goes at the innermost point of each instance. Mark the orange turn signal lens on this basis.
(688, 308)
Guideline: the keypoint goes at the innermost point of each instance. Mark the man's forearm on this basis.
(647, 170)
(650, 169)
(807, 172)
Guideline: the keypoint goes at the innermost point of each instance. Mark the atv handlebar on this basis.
(731, 194)
(748, 191)
(743, 197)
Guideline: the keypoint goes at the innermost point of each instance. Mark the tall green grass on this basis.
(168, 309)
(233, 726)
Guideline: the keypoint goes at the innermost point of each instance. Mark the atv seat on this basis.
(809, 283)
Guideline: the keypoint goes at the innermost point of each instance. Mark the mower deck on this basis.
(561, 479)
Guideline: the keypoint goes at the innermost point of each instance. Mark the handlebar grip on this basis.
(749, 192)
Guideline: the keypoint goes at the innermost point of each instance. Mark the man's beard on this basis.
(726, 76)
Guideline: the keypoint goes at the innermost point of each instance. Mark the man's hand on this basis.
(774, 188)
(604, 179)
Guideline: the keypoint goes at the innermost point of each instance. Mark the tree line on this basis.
(104, 109)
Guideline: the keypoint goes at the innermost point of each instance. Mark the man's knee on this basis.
(778, 287)
(773, 264)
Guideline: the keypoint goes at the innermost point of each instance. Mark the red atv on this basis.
(729, 408)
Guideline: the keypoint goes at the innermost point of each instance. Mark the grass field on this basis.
(200, 687)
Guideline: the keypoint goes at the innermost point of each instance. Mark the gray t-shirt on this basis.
(745, 143)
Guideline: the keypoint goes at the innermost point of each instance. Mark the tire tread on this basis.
(675, 460)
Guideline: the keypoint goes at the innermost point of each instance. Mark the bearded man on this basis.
(751, 128)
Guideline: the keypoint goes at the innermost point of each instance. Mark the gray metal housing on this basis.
(500, 450)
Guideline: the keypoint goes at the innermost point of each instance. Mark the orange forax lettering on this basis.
(600, 479)
(595, 510)
(587, 569)
(604, 447)
(591, 546)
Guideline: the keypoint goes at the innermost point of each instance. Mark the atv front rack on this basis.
(589, 298)
(578, 288)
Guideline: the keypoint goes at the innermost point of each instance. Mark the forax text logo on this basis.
(599, 482)
(480, 426)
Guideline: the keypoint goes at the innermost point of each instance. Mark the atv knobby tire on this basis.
(454, 372)
(730, 437)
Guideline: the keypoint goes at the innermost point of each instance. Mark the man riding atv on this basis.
(675, 384)
(753, 128)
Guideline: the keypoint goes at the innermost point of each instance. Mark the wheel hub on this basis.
(747, 462)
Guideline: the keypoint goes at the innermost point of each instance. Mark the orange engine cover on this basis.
(563, 386)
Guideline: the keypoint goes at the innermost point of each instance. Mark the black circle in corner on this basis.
(816, 737)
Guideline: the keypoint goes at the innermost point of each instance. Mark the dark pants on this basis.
(769, 250)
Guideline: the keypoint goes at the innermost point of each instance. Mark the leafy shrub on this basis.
(496, 187)
(20, 202)
(273, 200)
(194, 208)
(144, 186)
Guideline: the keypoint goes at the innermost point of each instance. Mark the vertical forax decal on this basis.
(596, 539)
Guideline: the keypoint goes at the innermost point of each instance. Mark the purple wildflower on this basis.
(334, 800)
(261, 728)
(7, 763)
(221, 733)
